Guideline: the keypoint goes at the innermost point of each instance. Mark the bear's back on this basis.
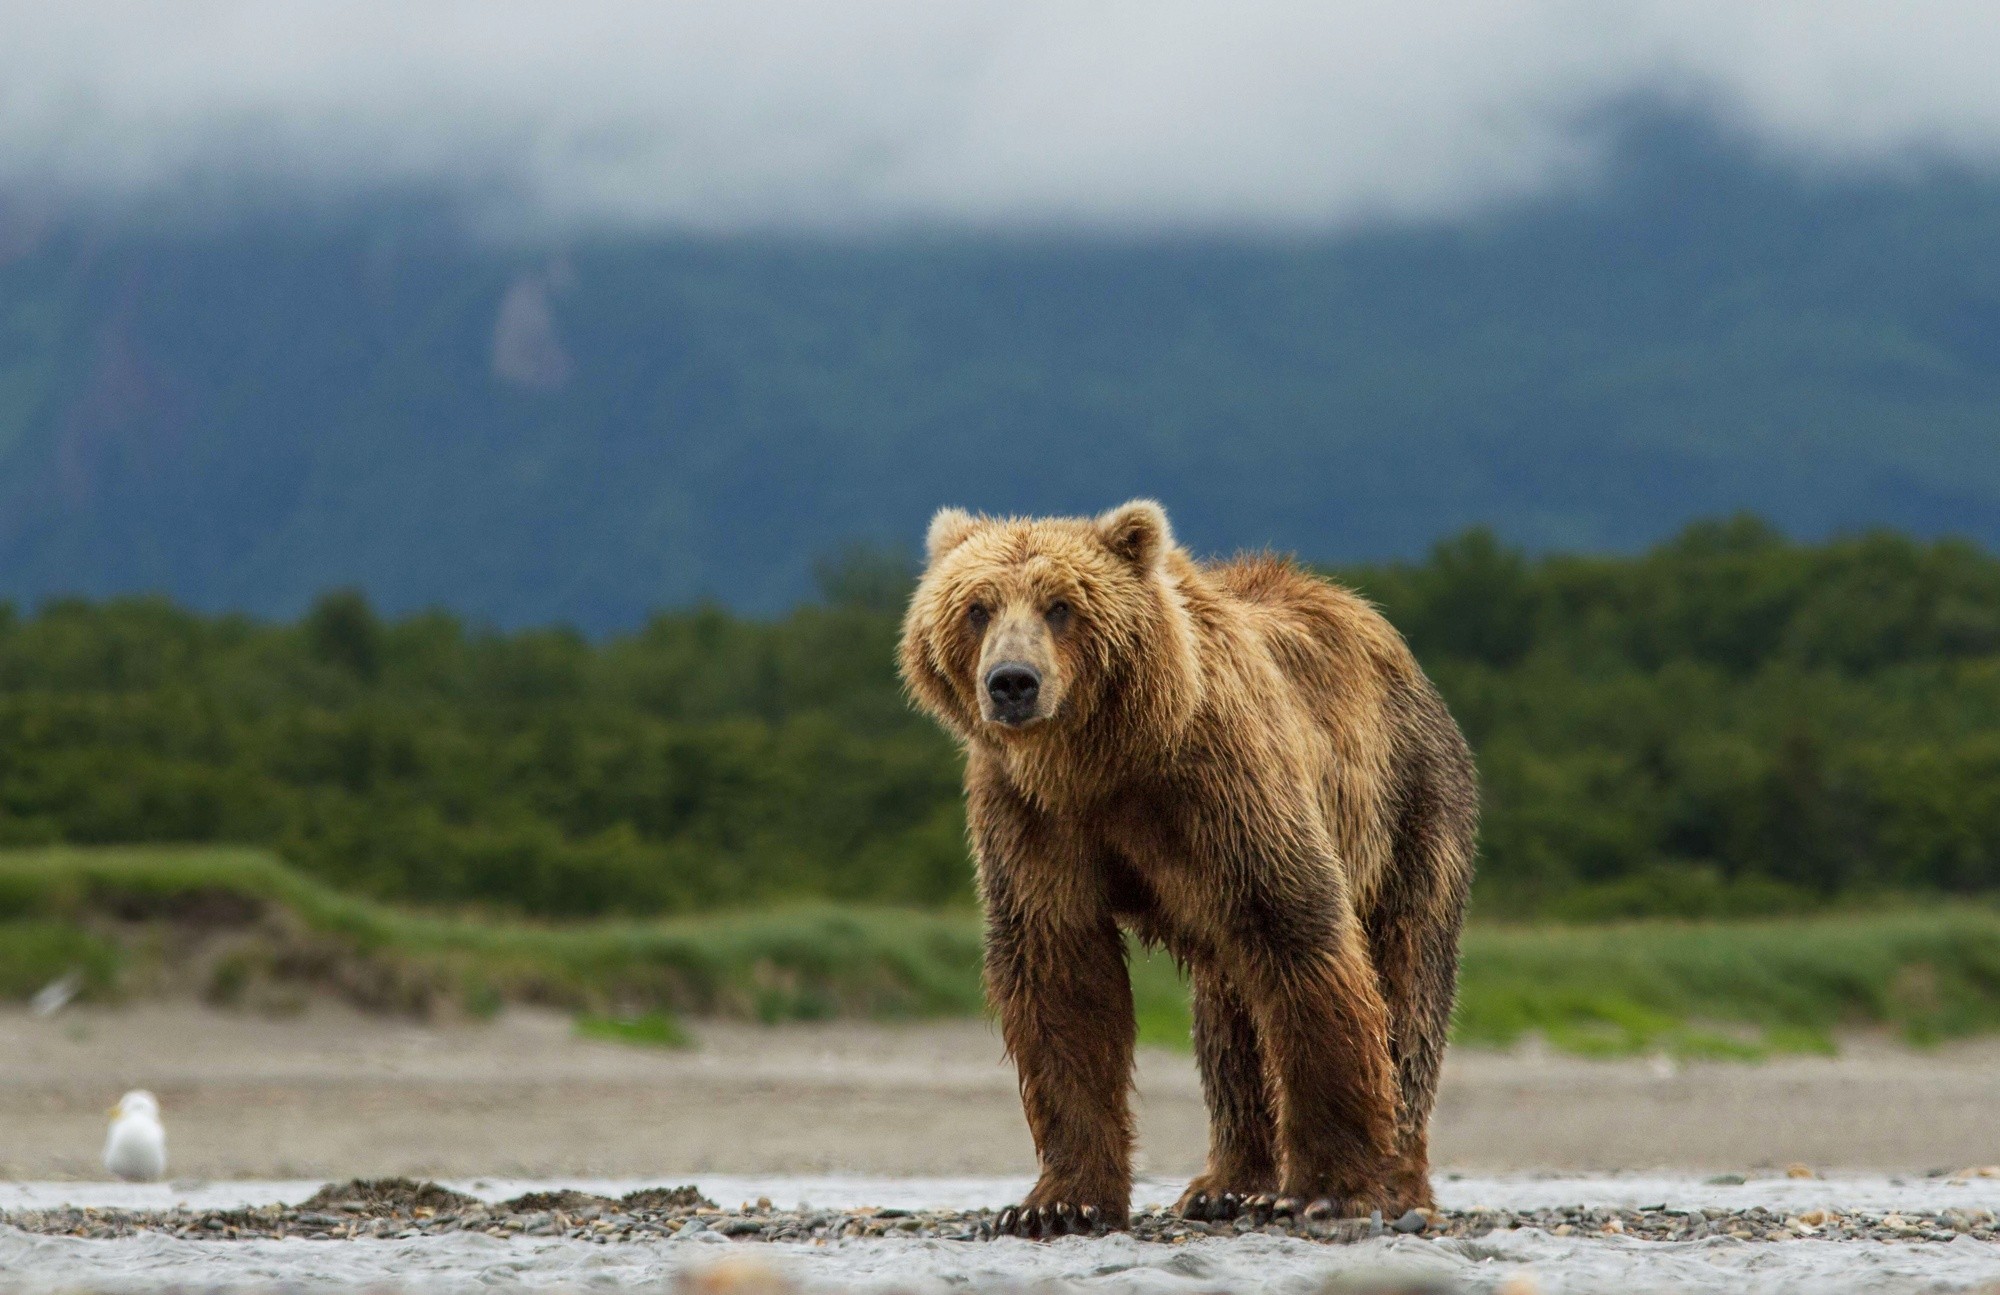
(1326, 639)
(1346, 668)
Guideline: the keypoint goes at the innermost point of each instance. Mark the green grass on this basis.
(1159, 1000)
(1930, 973)
(647, 1030)
(1736, 989)
(1722, 990)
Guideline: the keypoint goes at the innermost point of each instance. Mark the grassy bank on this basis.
(237, 926)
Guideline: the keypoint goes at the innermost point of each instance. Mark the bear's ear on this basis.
(1137, 532)
(949, 529)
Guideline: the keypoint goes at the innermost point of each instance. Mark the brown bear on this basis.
(1238, 762)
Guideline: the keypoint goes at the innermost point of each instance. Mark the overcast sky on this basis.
(842, 113)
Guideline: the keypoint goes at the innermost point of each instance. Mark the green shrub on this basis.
(1731, 725)
(37, 952)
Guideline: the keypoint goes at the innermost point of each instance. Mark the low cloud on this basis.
(1078, 113)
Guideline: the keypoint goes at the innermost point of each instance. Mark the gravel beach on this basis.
(402, 1208)
(1508, 1234)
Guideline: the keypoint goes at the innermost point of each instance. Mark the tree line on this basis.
(1730, 722)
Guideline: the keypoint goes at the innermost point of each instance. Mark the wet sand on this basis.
(334, 1094)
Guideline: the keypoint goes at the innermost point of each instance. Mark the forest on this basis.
(1730, 724)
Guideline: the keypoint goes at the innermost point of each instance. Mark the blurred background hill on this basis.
(582, 427)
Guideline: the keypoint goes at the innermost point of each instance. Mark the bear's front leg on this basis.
(1242, 1157)
(1065, 1006)
(1325, 1037)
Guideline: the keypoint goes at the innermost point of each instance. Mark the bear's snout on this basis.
(1013, 687)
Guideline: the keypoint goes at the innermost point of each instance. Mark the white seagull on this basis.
(136, 1148)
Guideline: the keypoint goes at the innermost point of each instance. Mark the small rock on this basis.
(1414, 1221)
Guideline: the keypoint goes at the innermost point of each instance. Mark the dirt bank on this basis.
(334, 1094)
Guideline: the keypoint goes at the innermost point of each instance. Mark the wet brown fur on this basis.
(1241, 763)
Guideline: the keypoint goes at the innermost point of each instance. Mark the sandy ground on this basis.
(333, 1094)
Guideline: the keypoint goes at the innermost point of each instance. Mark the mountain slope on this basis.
(245, 415)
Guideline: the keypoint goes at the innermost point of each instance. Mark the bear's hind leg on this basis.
(1413, 933)
(1416, 959)
(1242, 1156)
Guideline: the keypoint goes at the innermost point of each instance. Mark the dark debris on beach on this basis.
(400, 1208)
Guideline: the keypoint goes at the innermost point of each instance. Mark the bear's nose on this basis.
(1013, 686)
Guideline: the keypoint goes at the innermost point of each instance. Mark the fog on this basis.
(1082, 114)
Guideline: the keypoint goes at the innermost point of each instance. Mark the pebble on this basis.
(405, 1210)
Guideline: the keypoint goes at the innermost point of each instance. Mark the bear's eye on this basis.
(978, 615)
(1058, 613)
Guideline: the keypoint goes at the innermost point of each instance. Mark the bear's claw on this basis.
(1055, 1220)
(1263, 1207)
(1271, 1208)
(1211, 1207)
(1268, 1206)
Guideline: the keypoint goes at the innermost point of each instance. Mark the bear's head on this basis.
(1027, 630)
